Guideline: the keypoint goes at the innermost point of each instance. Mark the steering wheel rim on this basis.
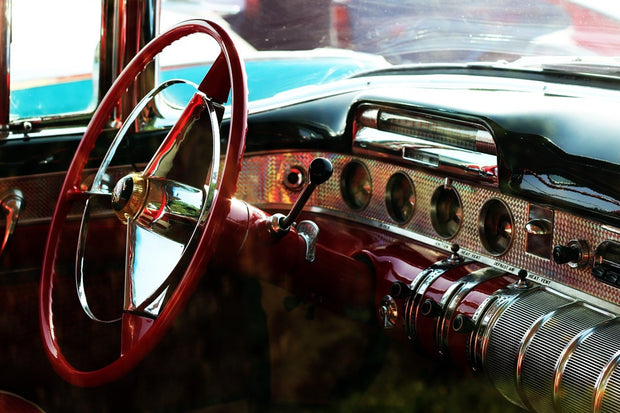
(226, 75)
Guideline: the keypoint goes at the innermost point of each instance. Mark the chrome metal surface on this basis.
(181, 181)
(453, 298)
(273, 225)
(309, 232)
(400, 198)
(100, 177)
(495, 226)
(356, 185)
(446, 211)
(190, 153)
(413, 305)
(585, 254)
(457, 148)
(11, 204)
(548, 352)
(79, 257)
(539, 231)
(388, 312)
(170, 209)
(129, 196)
(126, 28)
(5, 72)
(150, 260)
(295, 178)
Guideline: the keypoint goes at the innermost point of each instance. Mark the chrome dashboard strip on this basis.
(261, 184)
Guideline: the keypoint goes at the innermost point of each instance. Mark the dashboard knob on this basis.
(576, 254)
(320, 171)
(563, 254)
(399, 289)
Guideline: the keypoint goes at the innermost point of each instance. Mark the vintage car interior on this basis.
(230, 228)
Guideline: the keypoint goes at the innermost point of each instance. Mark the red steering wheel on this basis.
(131, 199)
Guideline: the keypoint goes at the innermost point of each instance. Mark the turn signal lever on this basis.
(320, 170)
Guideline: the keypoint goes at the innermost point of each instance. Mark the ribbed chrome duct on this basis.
(548, 352)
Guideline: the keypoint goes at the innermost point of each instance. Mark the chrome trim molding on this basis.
(5, 67)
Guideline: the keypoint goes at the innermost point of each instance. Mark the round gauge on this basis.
(400, 197)
(495, 226)
(356, 185)
(446, 212)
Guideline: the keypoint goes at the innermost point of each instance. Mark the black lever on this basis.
(319, 171)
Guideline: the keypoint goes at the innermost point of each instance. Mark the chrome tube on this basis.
(126, 27)
(5, 70)
(548, 352)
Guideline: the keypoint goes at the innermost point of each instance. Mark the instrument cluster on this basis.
(556, 248)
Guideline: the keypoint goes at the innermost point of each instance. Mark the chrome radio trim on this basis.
(452, 161)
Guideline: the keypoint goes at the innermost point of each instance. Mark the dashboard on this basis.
(484, 208)
(441, 196)
(519, 210)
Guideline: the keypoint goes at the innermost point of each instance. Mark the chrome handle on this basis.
(11, 205)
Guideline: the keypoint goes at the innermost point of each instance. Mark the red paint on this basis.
(335, 278)
(133, 329)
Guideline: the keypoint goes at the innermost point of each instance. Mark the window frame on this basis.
(126, 27)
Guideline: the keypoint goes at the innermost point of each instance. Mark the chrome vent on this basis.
(456, 147)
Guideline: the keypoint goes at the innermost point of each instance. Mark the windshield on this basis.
(445, 31)
(290, 44)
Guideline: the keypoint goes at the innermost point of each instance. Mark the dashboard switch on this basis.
(563, 254)
(576, 254)
(607, 263)
(399, 289)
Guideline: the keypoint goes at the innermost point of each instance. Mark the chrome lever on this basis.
(320, 170)
(11, 205)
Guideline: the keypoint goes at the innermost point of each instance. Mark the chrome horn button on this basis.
(128, 196)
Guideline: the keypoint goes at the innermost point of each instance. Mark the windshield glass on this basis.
(414, 31)
(289, 44)
(345, 37)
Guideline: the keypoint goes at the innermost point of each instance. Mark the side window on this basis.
(54, 57)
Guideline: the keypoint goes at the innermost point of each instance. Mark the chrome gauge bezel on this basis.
(495, 210)
(349, 186)
(443, 214)
(395, 203)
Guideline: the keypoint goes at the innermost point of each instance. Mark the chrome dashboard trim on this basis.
(260, 185)
(450, 160)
